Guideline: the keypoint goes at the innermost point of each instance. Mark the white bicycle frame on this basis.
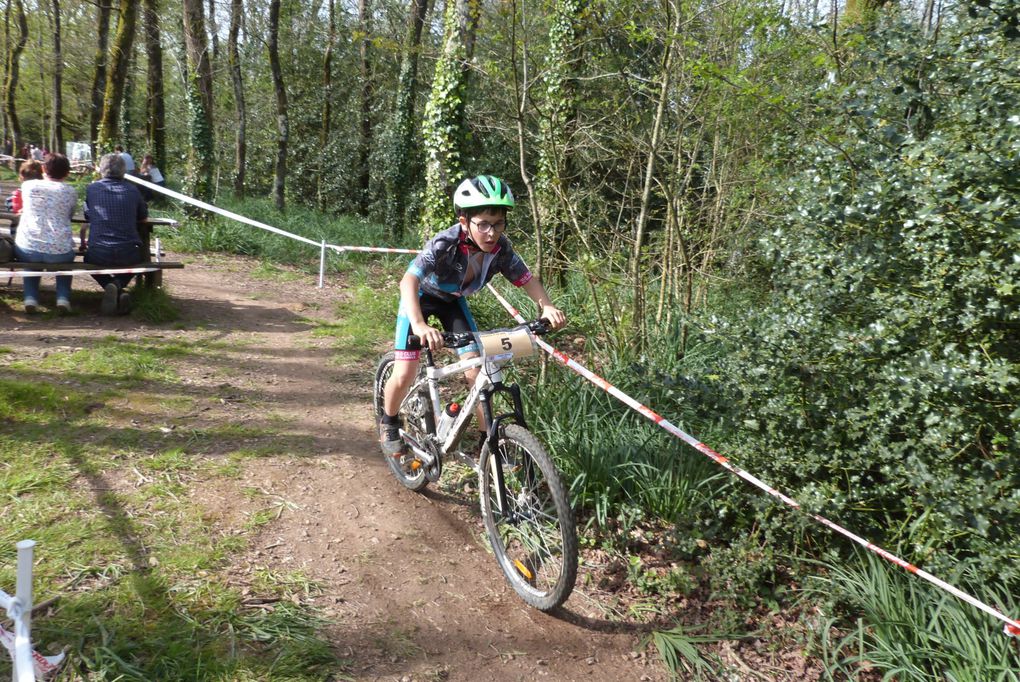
(491, 372)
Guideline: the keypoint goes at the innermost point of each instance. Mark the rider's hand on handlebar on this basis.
(430, 336)
(557, 320)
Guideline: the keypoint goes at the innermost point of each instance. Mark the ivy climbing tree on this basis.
(556, 127)
(443, 130)
(400, 151)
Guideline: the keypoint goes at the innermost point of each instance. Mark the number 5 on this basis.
(505, 342)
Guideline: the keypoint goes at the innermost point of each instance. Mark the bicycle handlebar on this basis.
(460, 339)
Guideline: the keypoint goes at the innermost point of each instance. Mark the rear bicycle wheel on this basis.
(531, 529)
(416, 414)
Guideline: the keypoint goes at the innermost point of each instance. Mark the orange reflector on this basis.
(415, 465)
(523, 569)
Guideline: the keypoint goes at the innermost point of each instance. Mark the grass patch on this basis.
(153, 305)
(363, 317)
(268, 271)
(112, 359)
(144, 578)
(907, 629)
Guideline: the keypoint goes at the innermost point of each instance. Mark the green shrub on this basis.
(883, 375)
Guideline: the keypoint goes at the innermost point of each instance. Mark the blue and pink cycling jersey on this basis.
(449, 268)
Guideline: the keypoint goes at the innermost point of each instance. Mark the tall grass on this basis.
(212, 232)
(620, 465)
(909, 630)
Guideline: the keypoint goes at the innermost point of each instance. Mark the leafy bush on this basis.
(883, 376)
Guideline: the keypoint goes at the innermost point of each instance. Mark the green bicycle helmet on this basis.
(484, 190)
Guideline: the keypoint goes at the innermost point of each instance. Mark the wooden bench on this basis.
(150, 272)
(152, 278)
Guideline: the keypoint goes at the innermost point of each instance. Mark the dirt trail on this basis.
(408, 587)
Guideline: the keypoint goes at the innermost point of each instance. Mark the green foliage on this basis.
(910, 630)
(443, 131)
(880, 383)
(217, 233)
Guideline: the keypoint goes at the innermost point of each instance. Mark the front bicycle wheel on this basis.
(528, 519)
(416, 414)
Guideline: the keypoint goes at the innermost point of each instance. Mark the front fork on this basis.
(493, 425)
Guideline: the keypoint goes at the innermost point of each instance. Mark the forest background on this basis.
(791, 227)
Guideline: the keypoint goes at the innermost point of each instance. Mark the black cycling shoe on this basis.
(389, 439)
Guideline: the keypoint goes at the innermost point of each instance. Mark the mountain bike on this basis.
(524, 503)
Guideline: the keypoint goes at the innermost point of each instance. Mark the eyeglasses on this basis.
(485, 227)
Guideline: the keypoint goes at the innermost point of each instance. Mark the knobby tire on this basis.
(535, 541)
(415, 421)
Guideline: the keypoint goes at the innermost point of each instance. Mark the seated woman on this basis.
(113, 207)
(30, 170)
(44, 232)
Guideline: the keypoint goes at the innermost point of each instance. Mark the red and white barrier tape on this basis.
(1012, 627)
(74, 273)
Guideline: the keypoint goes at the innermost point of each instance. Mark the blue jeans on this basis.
(31, 284)
(130, 254)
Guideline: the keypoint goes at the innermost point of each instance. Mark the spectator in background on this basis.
(149, 171)
(37, 154)
(44, 233)
(129, 163)
(25, 152)
(30, 170)
(113, 207)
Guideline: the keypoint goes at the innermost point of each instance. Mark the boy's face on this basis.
(485, 228)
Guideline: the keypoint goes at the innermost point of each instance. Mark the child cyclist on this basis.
(455, 263)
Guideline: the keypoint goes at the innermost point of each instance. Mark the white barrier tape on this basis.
(322, 246)
(370, 249)
(74, 273)
(227, 214)
(1012, 627)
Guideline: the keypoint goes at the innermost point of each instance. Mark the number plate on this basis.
(517, 341)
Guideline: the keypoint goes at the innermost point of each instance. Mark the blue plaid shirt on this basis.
(113, 208)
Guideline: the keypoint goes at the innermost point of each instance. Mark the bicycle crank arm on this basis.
(420, 452)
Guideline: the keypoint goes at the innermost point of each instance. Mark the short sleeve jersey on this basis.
(448, 267)
(45, 225)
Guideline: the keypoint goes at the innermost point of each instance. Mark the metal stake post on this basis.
(322, 264)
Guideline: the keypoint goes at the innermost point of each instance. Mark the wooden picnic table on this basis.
(145, 227)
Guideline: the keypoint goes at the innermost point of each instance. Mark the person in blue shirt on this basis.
(454, 264)
(113, 207)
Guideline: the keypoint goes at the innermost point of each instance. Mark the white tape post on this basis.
(1012, 627)
(29, 665)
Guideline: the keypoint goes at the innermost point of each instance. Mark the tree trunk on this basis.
(365, 144)
(214, 33)
(99, 75)
(155, 101)
(521, 87)
(234, 60)
(556, 129)
(280, 176)
(13, 64)
(326, 128)
(126, 123)
(400, 159)
(638, 308)
(199, 93)
(120, 55)
(57, 130)
(443, 129)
